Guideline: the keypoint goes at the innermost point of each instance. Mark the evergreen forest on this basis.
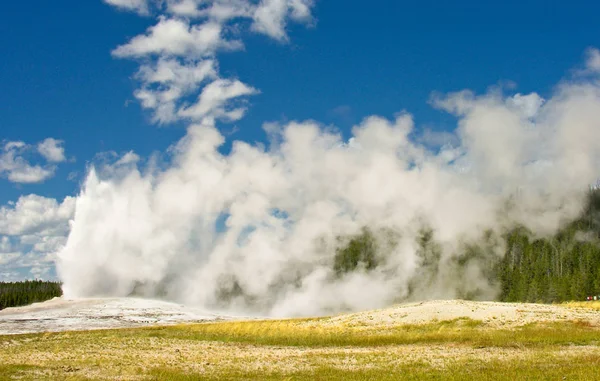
(14, 294)
(563, 267)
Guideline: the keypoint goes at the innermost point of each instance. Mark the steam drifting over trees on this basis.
(561, 267)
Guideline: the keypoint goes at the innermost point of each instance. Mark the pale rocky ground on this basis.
(60, 314)
(491, 313)
(80, 314)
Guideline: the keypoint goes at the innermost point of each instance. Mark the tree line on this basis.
(563, 267)
(559, 268)
(15, 294)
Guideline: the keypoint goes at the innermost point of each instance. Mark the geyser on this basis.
(314, 223)
(258, 229)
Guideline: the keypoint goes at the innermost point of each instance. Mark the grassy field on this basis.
(311, 349)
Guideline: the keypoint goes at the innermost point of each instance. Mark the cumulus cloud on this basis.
(139, 6)
(175, 37)
(15, 164)
(214, 98)
(434, 139)
(220, 10)
(21, 172)
(32, 230)
(6, 258)
(529, 104)
(52, 150)
(36, 214)
(270, 17)
(167, 81)
(179, 52)
(5, 245)
(172, 73)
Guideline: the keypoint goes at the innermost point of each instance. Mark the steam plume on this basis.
(257, 229)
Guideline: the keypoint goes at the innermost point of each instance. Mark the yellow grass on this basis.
(308, 349)
(592, 305)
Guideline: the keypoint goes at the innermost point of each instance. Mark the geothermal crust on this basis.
(62, 314)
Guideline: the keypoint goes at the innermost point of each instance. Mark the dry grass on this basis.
(312, 349)
(320, 333)
(590, 305)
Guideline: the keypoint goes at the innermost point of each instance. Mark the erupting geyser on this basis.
(260, 229)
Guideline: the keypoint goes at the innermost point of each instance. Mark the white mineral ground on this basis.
(60, 314)
(491, 313)
(84, 314)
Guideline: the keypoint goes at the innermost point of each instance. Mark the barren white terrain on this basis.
(61, 314)
(495, 314)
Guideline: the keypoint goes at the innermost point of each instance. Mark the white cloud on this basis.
(220, 10)
(40, 272)
(31, 264)
(592, 62)
(188, 8)
(5, 245)
(36, 214)
(15, 167)
(6, 258)
(180, 52)
(128, 159)
(172, 72)
(52, 150)
(214, 98)
(167, 81)
(111, 164)
(11, 276)
(72, 176)
(48, 244)
(16, 164)
(26, 174)
(342, 111)
(436, 139)
(9, 146)
(139, 6)
(301, 9)
(529, 104)
(32, 230)
(175, 37)
(270, 17)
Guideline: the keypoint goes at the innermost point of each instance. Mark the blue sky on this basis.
(59, 80)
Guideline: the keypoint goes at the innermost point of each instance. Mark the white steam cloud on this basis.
(284, 207)
(256, 230)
